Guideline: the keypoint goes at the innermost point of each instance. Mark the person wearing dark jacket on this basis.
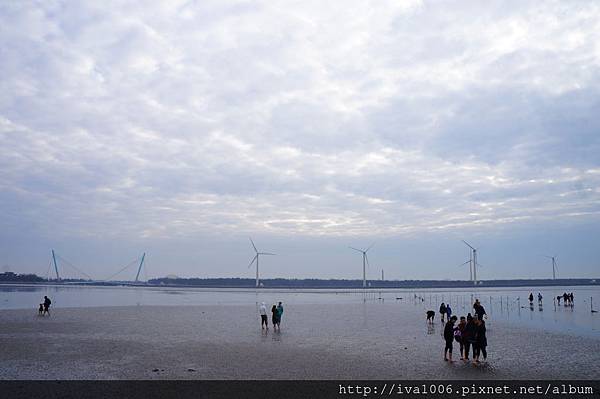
(443, 311)
(479, 309)
(47, 303)
(275, 317)
(480, 341)
(449, 338)
(469, 335)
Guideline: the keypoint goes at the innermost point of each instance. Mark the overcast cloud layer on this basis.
(180, 128)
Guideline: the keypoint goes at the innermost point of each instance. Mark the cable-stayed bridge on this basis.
(63, 271)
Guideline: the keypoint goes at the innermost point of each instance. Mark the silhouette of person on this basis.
(47, 303)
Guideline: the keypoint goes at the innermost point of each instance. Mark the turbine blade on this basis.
(371, 246)
(466, 243)
(253, 259)
(462, 264)
(367, 259)
(266, 253)
(254, 246)
(356, 249)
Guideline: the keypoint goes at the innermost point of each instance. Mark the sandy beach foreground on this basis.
(334, 341)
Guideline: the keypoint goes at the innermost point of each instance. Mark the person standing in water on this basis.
(279, 314)
(448, 311)
(531, 298)
(540, 297)
(274, 318)
(47, 303)
(449, 338)
(443, 311)
(264, 322)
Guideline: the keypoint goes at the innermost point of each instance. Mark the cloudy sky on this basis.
(180, 128)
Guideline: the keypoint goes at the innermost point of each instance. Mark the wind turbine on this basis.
(256, 259)
(473, 261)
(554, 266)
(365, 262)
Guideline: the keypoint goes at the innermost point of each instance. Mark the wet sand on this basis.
(333, 341)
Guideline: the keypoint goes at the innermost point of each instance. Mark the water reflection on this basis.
(430, 328)
(504, 305)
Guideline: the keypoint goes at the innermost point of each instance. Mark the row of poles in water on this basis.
(505, 303)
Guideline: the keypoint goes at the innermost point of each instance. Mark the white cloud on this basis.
(346, 118)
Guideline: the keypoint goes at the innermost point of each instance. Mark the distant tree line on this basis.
(335, 283)
(20, 278)
(11, 277)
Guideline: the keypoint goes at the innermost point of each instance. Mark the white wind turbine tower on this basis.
(256, 259)
(554, 266)
(473, 262)
(365, 262)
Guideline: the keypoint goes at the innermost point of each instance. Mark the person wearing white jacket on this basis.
(263, 316)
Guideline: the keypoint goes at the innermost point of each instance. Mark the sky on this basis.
(182, 128)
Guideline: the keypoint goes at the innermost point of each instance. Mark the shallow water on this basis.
(502, 305)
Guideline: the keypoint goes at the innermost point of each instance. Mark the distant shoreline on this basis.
(319, 284)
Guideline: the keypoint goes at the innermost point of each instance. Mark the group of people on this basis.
(539, 296)
(469, 333)
(276, 311)
(45, 307)
(445, 310)
(567, 299)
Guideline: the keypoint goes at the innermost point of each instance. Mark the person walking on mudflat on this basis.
(480, 347)
(279, 314)
(449, 338)
(443, 311)
(264, 322)
(47, 303)
(274, 318)
(479, 309)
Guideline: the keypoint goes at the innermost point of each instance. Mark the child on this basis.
(449, 337)
(41, 310)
